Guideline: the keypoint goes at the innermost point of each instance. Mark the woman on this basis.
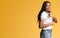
(46, 20)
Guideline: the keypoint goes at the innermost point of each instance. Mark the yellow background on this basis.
(18, 18)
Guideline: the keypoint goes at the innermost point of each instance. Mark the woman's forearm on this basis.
(54, 19)
(45, 25)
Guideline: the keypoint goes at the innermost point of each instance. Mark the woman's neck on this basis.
(48, 12)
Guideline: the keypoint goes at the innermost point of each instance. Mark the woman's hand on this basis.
(51, 15)
(54, 18)
(52, 23)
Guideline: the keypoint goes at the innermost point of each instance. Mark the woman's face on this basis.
(48, 6)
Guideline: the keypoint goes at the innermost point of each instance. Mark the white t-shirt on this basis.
(47, 19)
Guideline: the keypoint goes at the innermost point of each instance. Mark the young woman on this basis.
(46, 20)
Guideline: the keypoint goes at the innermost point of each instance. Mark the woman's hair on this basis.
(42, 9)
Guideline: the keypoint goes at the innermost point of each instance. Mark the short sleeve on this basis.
(43, 15)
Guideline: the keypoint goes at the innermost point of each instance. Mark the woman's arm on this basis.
(42, 25)
(54, 18)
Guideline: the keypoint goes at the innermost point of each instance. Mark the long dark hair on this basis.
(42, 9)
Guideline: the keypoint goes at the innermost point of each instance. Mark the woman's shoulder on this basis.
(44, 13)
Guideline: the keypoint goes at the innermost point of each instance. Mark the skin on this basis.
(48, 5)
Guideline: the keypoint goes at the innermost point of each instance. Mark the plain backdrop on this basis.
(18, 18)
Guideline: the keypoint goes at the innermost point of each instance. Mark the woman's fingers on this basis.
(54, 19)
